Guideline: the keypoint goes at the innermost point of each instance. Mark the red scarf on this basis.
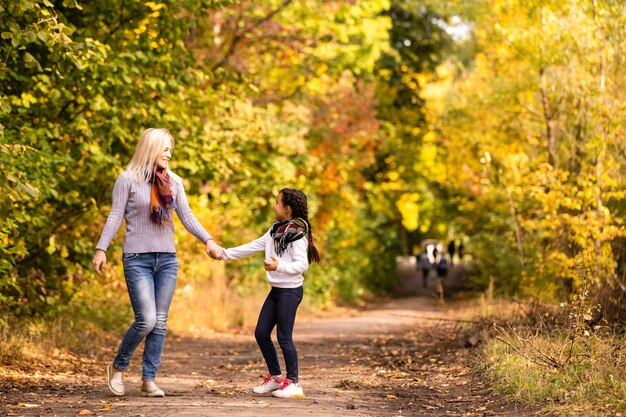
(161, 199)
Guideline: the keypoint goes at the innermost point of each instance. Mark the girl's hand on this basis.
(271, 265)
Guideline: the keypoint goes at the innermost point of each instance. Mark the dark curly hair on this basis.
(296, 199)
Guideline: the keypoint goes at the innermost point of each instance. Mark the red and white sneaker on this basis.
(270, 384)
(289, 389)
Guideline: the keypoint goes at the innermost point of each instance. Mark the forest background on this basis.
(497, 123)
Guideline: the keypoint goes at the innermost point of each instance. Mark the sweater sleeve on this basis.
(186, 216)
(300, 261)
(247, 249)
(121, 190)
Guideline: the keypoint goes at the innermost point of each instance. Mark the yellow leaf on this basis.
(391, 397)
(409, 209)
(84, 413)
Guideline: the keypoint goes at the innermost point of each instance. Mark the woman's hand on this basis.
(271, 265)
(99, 261)
(214, 250)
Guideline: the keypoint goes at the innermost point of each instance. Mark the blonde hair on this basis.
(149, 148)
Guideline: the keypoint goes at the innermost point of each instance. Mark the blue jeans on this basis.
(279, 310)
(151, 279)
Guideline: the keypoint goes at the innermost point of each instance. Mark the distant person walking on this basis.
(430, 251)
(442, 272)
(451, 251)
(461, 250)
(145, 195)
(289, 248)
(424, 266)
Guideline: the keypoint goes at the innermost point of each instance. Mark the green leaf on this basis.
(26, 4)
(31, 62)
(43, 36)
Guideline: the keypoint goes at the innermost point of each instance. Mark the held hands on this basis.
(271, 265)
(214, 250)
(99, 261)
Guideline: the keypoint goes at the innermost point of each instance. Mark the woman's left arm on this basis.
(300, 261)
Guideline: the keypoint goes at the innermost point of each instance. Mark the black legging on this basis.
(279, 310)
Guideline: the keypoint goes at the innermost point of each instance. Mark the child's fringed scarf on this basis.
(161, 199)
(286, 232)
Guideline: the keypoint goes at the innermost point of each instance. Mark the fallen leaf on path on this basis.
(391, 397)
(84, 413)
(27, 405)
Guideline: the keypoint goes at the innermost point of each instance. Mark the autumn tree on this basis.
(536, 114)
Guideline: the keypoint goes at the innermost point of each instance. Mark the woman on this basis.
(146, 195)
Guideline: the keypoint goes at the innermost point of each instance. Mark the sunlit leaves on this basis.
(409, 209)
(540, 99)
(76, 92)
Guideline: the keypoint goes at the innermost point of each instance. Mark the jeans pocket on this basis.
(129, 256)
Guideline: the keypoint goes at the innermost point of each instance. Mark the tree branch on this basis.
(232, 46)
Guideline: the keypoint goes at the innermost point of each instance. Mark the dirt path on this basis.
(396, 360)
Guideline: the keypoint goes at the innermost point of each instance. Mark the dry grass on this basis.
(551, 356)
(13, 342)
(23, 342)
(210, 303)
(214, 305)
(595, 386)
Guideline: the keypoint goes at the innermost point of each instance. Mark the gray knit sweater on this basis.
(131, 201)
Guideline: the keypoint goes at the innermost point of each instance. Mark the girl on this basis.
(146, 195)
(289, 249)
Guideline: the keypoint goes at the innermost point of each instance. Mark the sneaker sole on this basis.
(109, 374)
(152, 394)
(264, 392)
(291, 396)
